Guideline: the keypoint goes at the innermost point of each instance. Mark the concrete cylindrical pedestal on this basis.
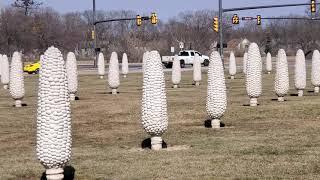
(72, 97)
(18, 103)
(253, 101)
(281, 99)
(156, 143)
(114, 91)
(215, 123)
(54, 174)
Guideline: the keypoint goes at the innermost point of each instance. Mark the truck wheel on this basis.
(182, 64)
(169, 65)
(206, 62)
(37, 71)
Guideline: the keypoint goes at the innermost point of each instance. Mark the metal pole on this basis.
(95, 34)
(221, 29)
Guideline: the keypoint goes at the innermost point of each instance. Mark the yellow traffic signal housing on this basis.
(138, 20)
(259, 20)
(154, 18)
(216, 24)
(93, 35)
(235, 19)
(313, 6)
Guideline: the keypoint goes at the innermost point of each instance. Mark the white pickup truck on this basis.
(186, 58)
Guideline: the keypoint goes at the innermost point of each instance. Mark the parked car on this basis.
(32, 68)
(186, 58)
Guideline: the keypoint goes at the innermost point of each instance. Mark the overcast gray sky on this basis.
(170, 8)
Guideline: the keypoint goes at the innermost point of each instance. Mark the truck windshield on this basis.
(183, 53)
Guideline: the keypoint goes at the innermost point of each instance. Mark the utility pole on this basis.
(94, 34)
(221, 29)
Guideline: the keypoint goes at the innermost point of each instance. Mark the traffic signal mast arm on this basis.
(280, 18)
(144, 18)
(266, 7)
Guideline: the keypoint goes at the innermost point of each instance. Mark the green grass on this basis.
(271, 141)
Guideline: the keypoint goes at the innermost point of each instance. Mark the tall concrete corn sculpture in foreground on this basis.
(144, 57)
(216, 95)
(125, 65)
(245, 58)
(5, 72)
(0, 64)
(176, 72)
(154, 102)
(113, 75)
(16, 85)
(53, 115)
(281, 84)
(315, 71)
(254, 74)
(269, 63)
(72, 74)
(101, 66)
(197, 70)
(232, 65)
(300, 76)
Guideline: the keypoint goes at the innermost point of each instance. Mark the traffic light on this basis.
(313, 6)
(216, 24)
(93, 34)
(235, 19)
(259, 20)
(154, 18)
(138, 20)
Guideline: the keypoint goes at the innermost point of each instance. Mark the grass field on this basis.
(272, 141)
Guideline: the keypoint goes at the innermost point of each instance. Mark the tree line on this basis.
(32, 29)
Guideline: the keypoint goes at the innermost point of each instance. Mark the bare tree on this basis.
(26, 5)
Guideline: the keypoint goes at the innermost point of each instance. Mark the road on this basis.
(86, 67)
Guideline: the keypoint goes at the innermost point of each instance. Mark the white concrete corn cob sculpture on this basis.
(1, 64)
(197, 70)
(16, 85)
(269, 63)
(245, 58)
(281, 84)
(144, 57)
(72, 74)
(154, 103)
(216, 95)
(5, 72)
(176, 72)
(315, 71)
(113, 75)
(254, 74)
(232, 65)
(53, 115)
(300, 76)
(101, 66)
(125, 65)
